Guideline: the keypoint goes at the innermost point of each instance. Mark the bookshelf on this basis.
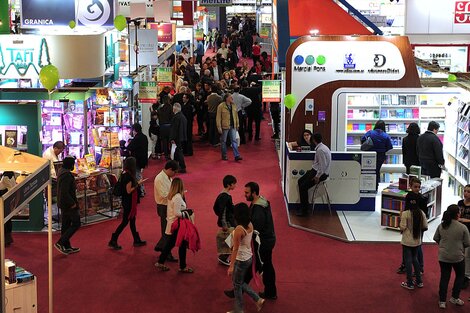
(398, 110)
(393, 202)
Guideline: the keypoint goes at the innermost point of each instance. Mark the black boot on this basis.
(113, 242)
(138, 242)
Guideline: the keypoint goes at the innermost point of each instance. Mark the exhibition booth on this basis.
(342, 86)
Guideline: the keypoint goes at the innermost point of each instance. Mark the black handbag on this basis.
(367, 145)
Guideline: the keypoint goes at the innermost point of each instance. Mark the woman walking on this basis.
(129, 185)
(241, 258)
(452, 237)
(175, 210)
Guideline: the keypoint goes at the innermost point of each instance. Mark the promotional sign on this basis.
(165, 31)
(271, 90)
(165, 76)
(264, 31)
(147, 48)
(23, 58)
(148, 92)
(315, 63)
(40, 13)
(20, 197)
(462, 12)
(199, 34)
(216, 3)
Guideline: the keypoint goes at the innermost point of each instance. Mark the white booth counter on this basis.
(351, 184)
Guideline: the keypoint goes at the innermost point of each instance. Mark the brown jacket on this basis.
(223, 117)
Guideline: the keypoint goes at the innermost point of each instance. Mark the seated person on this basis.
(305, 141)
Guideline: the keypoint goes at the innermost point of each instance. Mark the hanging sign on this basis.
(271, 91)
(215, 3)
(147, 48)
(165, 31)
(199, 34)
(40, 13)
(165, 76)
(264, 31)
(148, 92)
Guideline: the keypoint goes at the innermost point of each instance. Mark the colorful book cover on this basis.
(116, 158)
(105, 158)
(11, 138)
(114, 142)
(355, 126)
(90, 162)
(350, 114)
(56, 119)
(110, 118)
(362, 127)
(383, 113)
(368, 127)
(350, 127)
(81, 163)
(416, 113)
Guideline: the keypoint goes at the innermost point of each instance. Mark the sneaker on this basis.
(407, 286)
(401, 270)
(238, 158)
(442, 305)
(224, 158)
(61, 248)
(268, 297)
(223, 259)
(230, 293)
(457, 301)
(73, 250)
(419, 285)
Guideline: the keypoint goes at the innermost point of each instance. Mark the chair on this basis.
(321, 184)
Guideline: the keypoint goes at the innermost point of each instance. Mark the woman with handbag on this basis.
(242, 258)
(176, 210)
(129, 194)
(381, 144)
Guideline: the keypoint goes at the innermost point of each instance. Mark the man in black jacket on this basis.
(178, 135)
(68, 204)
(429, 148)
(262, 220)
(139, 147)
(253, 111)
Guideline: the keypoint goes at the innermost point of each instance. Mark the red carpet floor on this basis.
(314, 274)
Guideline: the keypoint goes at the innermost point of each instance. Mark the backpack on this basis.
(117, 188)
(367, 145)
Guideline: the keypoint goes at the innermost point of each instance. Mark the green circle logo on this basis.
(321, 60)
(310, 60)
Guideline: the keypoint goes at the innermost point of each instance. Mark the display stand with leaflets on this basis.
(19, 196)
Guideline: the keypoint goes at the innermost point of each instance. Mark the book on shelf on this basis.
(395, 100)
(400, 113)
(75, 151)
(402, 100)
(368, 127)
(11, 138)
(416, 113)
(350, 127)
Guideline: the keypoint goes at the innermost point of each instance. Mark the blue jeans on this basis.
(411, 260)
(239, 285)
(232, 132)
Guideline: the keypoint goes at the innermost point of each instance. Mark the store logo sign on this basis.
(20, 58)
(94, 12)
(462, 12)
(379, 60)
(349, 61)
(309, 63)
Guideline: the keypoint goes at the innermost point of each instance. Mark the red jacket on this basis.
(186, 231)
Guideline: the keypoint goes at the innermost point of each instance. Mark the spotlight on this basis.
(314, 32)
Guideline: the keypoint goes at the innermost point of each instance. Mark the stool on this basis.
(324, 185)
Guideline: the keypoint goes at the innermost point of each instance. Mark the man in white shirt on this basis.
(319, 172)
(53, 154)
(242, 102)
(161, 188)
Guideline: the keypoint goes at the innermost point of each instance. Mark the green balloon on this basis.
(49, 76)
(120, 22)
(321, 59)
(451, 78)
(72, 24)
(289, 101)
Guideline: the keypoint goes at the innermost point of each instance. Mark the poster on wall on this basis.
(147, 48)
(148, 92)
(40, 13)
(271, 91)
(165, 31)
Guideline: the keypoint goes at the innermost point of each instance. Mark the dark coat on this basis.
(178, 132)
(254, 94)
(139, 147)
(66, 191)
(409, 150)
(429, 148)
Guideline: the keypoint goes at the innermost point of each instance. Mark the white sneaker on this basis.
(442, 305)
(457, 301)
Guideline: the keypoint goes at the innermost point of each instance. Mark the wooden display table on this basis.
(21, 297)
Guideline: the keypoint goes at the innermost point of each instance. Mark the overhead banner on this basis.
(164, 76)
(50, 13)
(215, 3)
(165, 31)
(148, 92)
(124, 7)
(271, 91)
(147, 49)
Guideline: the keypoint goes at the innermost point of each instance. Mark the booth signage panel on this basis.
(147, 51)
(20, 197)
(23, 56)
(165, 31)
(165, 76)
(315, 63)
(124, 8)
(216, 3)
(148, 92)
(40, 13)
(271, 91)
